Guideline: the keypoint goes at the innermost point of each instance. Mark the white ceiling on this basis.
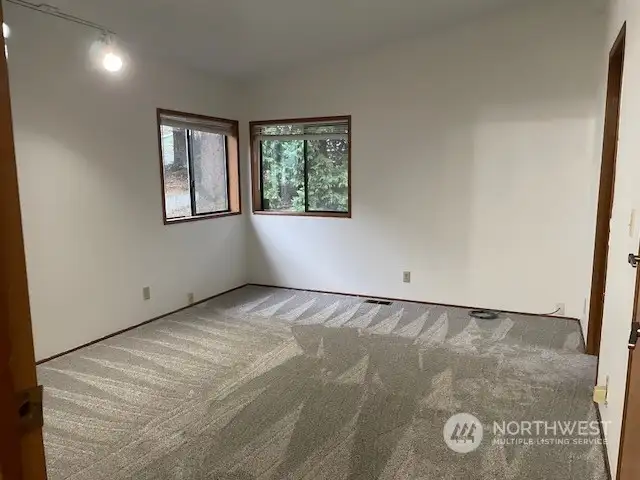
(241, 37)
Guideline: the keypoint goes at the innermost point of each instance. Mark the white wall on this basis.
(87, 153)
(618, 309)
(474, 165)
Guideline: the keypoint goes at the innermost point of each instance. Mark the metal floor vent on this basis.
(484, 314)
(378, 302)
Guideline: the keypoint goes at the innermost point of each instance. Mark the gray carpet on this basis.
(278, 384)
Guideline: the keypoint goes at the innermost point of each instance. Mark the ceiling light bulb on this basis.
(112, 62)
(6, 31)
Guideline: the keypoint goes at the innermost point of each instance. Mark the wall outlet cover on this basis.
(560, 308)
(146, 293)
(190, 298)
(406, 277)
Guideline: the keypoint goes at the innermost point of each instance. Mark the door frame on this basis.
(21, 454)
(628, 461)
(606, 192)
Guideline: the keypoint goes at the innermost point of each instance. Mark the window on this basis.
(199, 165)
(302, 167)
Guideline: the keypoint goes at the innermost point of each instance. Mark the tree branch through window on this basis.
(302, 166)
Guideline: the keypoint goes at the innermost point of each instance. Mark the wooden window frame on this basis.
(232, 151)
(256, 168)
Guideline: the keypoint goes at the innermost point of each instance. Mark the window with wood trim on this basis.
(199, 166)
(302, 166)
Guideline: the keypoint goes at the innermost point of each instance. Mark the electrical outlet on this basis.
(406, 277)
(560, 309)
(191, 298)
(601, 394)
(146, 293)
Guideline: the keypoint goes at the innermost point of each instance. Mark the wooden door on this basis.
(605, 195)
(629, 461)
(21, 454)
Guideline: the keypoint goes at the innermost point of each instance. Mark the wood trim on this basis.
(279, 121)
(233, 172)
(202, 217)
(234, 182)
(162, 185)
(10, 241)
(630, 412)
(21, 456)
(304, 214)
(256, 179)
(128, 329)
(349, 204)
(208, 118)
(606, 192)
(256, 195)
(421, 302)
(621, 452)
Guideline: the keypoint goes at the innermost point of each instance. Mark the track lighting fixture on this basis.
(104, 51)
(112, 60)
(6, 32)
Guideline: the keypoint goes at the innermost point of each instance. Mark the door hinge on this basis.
(635, 333)
(29, 407)
(633, 260)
